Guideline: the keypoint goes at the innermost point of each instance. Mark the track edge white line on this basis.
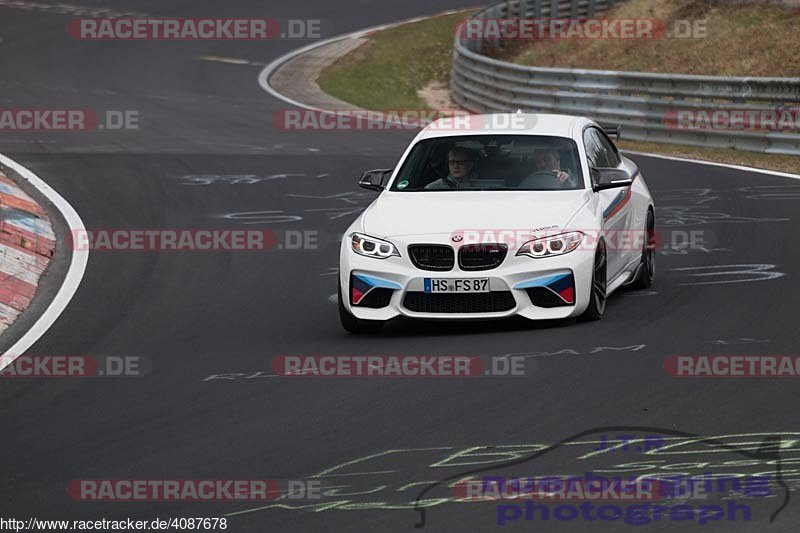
(75, 272)
(716, 164)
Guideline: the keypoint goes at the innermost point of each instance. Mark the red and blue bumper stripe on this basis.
(362, 284)
(562, 285)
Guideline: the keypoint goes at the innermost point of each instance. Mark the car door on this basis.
(621, 212)
(615, 203)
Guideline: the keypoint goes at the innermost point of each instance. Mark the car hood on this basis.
(426, 213)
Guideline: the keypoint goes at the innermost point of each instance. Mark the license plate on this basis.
(457, 285)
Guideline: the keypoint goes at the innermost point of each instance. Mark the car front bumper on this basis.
(518, 276)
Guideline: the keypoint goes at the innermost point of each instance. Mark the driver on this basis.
(461, 163)
(548, 160)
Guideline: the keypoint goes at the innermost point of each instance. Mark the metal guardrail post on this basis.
(495, 12)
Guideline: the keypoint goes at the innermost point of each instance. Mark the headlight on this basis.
(372, 247)
(550, 246)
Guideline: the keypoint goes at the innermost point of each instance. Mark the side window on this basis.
(599, 150)
(593, 151)
(608, 149)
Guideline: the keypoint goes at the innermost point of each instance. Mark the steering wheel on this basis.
(543, 174)
(544, 179)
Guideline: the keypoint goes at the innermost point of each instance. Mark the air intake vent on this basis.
(485, 302)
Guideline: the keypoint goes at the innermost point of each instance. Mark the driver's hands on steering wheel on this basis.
(563, 176)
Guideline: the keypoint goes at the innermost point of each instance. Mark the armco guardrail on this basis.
(640, 102)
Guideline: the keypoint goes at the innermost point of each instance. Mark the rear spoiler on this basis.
(613, 131)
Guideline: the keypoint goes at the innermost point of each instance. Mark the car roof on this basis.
(523, 124)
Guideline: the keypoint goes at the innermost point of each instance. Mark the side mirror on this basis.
(610, 178)
(375, 180)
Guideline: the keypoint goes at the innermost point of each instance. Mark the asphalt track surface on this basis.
(195, 316)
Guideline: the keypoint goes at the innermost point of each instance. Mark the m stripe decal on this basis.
(619, 202)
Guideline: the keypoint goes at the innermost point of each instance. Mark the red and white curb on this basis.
(27, 243)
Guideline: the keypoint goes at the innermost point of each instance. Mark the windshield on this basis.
(491, 163)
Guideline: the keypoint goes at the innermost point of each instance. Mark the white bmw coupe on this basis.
(543, 221)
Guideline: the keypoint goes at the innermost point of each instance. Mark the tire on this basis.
(353, 324)
(647, 268)
(597, 295)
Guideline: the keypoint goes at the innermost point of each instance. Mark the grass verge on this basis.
(734, 40)
(389, 70)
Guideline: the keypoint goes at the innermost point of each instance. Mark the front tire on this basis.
(597, 295)
(353, 324)
(647, 268)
